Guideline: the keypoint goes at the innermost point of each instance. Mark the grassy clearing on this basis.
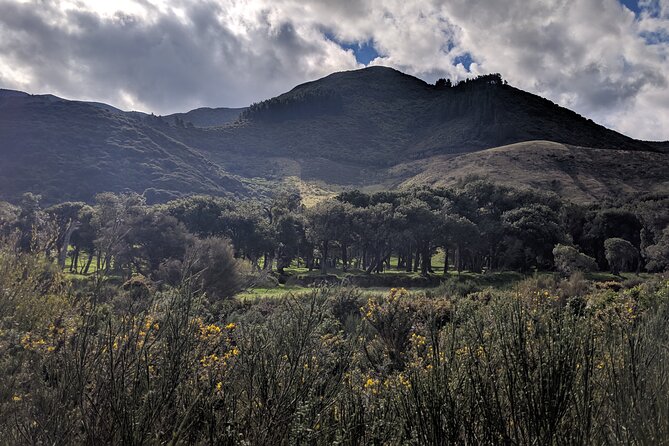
(279, 292)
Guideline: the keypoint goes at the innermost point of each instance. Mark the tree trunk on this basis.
(425, 263)
(344, 257)
(62, 255)
(416, 263)
(458, 259)
(74, 266)
(88, 262)
(445, 261)
(324, 257)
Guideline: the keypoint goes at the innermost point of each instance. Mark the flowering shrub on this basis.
(521, 366)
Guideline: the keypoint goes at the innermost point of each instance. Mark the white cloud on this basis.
(594, 56)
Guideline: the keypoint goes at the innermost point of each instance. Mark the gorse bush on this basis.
(530, 365)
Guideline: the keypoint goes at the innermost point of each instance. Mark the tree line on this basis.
(478, 226)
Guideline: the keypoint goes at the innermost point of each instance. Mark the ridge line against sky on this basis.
(605, 59)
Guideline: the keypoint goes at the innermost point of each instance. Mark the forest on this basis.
(126, 323)
(479, 227)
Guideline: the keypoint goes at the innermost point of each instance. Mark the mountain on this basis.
(70, 150)
(371, 128)
(380, 116)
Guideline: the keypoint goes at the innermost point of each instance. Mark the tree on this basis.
(289, 231)
(610, 223)
(657, 255)
(66, 217)
(33, 225)
(83, 239)
(329, 222)
(152, 238)
(419, 223)
(462, 235)
(443, 84)
(538, 228)
(213, 265)
(111, 215)
(569, 260)
(8, 217)
(620, 254)
(201, 213)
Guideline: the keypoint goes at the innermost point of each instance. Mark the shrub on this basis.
(620, 254)
(569, 260)
(212, 263)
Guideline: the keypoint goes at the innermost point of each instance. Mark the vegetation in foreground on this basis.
(549, 361)
(123, 323)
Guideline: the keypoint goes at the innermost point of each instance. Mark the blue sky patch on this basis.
(632, 5)
(364, 51)
(465, 59)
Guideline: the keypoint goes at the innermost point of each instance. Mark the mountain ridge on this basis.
(349, 129)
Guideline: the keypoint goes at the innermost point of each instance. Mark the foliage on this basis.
(542, 363)
(620, 254)
(569, 260)
(478, 226)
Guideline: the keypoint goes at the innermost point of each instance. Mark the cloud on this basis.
(594, 56)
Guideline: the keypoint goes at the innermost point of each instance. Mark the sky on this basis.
(606, 59)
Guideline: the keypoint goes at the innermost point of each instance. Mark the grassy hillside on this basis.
(579, 173)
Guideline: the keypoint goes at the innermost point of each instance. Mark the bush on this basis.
(620, 254)
(497, 367)
(214, 268)
(569, 260)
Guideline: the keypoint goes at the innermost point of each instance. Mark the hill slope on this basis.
(72, 150)
(378, 116)
(580, 173)
(374, 127)
(206, 117)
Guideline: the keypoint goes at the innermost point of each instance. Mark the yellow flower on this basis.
(417, 340)
(462, 351)
(209, 360)
(231, 326)
(219, 386)
(209, 331)
(371, 383)
(16, 398)
(404, 381)
(480, 351)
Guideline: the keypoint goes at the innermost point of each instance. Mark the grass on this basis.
(83, 258)
(280, 291)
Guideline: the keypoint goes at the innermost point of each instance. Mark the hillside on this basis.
(379, 116)
(68, 150)
(580, 173)
(369, 128)
(206, 117)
